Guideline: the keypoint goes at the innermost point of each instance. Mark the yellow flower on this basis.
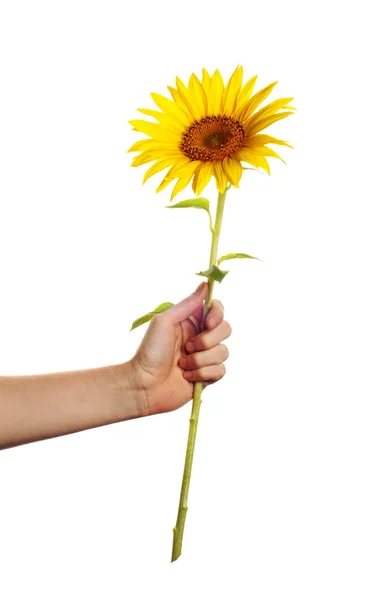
(207, 130)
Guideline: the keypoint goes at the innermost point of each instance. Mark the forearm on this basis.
(38, 407)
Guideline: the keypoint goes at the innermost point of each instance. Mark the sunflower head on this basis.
(207, 129)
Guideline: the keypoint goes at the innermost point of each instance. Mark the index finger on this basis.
(209, 338)
(215, 314)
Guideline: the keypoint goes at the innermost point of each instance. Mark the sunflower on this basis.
(207, 130)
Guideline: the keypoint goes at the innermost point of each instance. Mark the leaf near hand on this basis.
(148, 316)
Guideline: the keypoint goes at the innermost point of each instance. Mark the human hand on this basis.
(164, 368)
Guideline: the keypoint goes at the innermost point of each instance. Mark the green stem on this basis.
(198, 386)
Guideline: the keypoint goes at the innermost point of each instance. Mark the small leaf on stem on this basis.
(214, 273)
(235, 255)
(195, 203)
(148, 316)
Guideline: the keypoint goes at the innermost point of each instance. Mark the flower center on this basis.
(212, 138)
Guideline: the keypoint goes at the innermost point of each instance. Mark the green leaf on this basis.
(194, 203)
(214, 273)
(147, 317)
(235, 255)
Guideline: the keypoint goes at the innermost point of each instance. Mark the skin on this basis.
(159, 378)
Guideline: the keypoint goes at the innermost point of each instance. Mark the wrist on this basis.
(130, 395)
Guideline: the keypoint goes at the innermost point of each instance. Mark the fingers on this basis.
(212, 373)
(182, 310)
(215, 314)
(214, 356)
(209, 338)
(206, 352)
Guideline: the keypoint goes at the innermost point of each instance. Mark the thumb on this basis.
(182, 310)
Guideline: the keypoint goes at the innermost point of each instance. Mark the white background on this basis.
(276, 507)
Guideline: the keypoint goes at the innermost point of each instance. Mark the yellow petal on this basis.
(146, 145)
(272, 108)
(184, 168)
(253, 158)
(202, 177)
(188, 99)
(244, 96)
(262, 162)
(261, 138)
(164, 183)
(152, 113)
(206, 82)
(158, 166)
(155, 131)
(231, 91)
(142, 159)
(256, 101)
(197, 91)
(165, 120)
(181, 104)
(220, 177)
(264, 151)
(180, 185)
(252, 128)
(147, 156)
(247, 156)
(233, 170)
(171, 108)
(215, 95)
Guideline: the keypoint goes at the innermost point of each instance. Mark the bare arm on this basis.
(37, 407)
(159, 378)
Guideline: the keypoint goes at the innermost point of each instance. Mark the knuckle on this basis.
(228, 327)
(225, 351)
(195, 360)
(157, 317)
(202, 343)
(203, 373)
(218, 305)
